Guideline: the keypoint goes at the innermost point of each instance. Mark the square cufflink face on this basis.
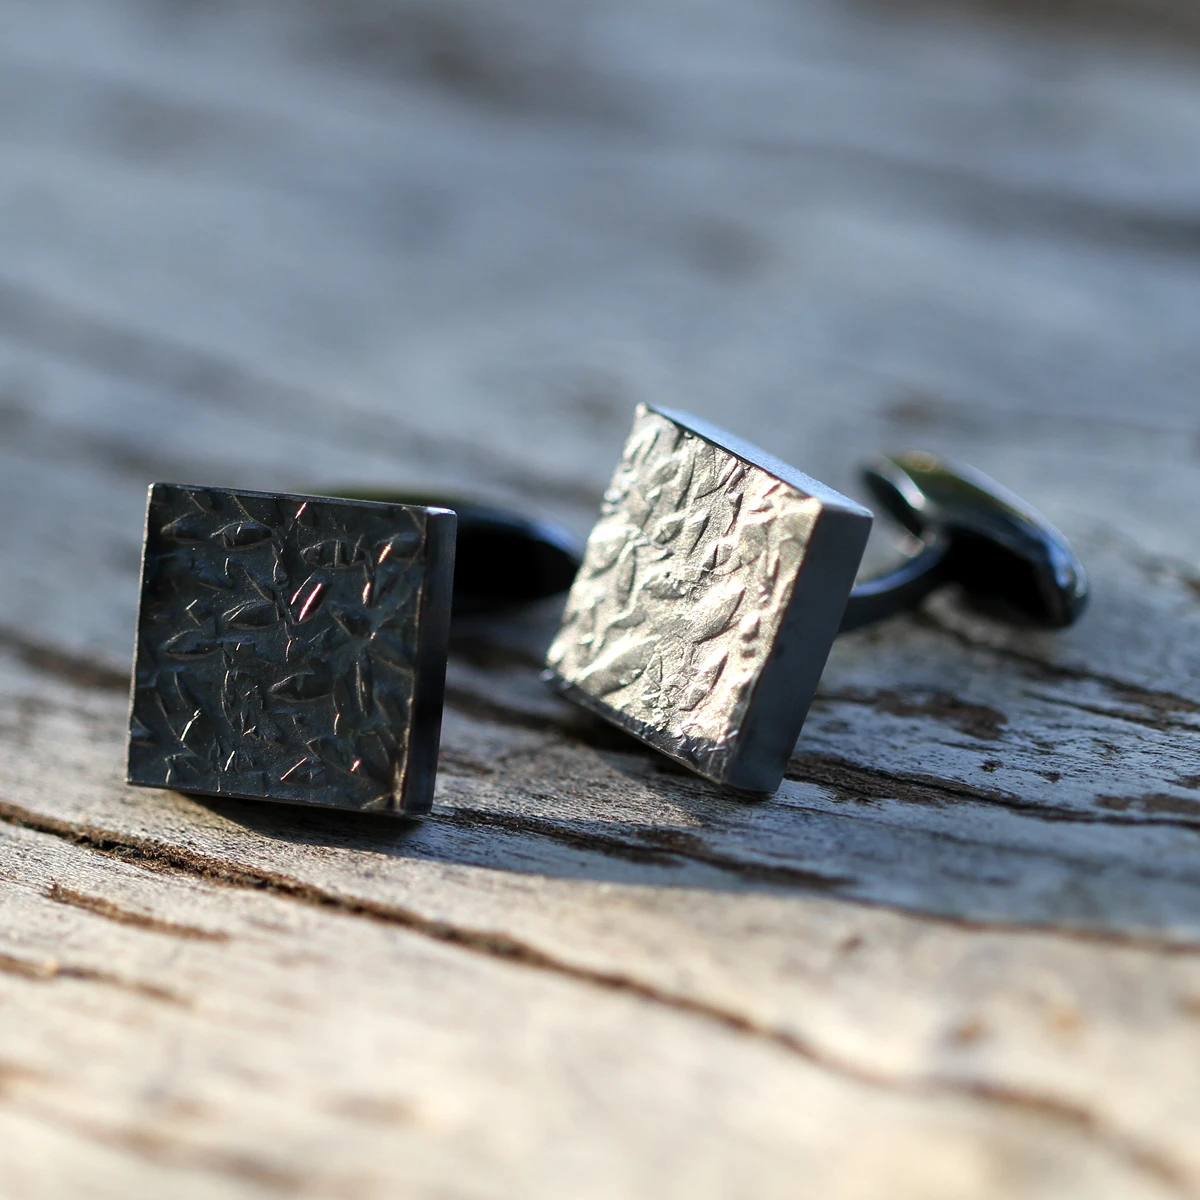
(710, 594)
(291, 648)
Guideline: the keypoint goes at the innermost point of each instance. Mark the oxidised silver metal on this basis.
(709, 597)
(291, 648)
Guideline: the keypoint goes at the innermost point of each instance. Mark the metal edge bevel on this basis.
(429, 673)
(830, 498)
(788, 680)
(137, 640)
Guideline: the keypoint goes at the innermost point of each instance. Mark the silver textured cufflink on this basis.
(709, 597)
(717, 578)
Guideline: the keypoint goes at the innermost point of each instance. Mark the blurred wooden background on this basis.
(450, 245)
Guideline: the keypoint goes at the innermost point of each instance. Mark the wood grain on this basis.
(449, 247)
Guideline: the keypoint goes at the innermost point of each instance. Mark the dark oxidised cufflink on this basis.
(291, 648)
(717, 577)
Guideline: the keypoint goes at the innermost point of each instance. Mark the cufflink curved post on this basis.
(1009, 561)
(718, 576)
(293, 648)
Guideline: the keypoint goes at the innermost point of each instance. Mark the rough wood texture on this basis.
(279, 245)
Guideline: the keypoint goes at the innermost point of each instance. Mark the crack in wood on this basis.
(1158, 723)
(853, 781)
(1155, 804)
(100, 907)
(646, 845)
(976, 720)
(48, 970)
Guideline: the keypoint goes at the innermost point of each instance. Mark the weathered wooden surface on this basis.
(296, 245)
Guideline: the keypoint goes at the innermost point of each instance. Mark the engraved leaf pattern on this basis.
(684, 583)
(276, 647)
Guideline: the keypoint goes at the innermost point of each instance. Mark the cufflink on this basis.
(291, 648)
(718, 576)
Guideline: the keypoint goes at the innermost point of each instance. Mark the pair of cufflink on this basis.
(294, 648)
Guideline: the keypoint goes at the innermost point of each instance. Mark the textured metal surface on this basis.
(291, 648)
(709, 597)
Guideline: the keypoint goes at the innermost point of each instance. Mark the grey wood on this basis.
(293, 247)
